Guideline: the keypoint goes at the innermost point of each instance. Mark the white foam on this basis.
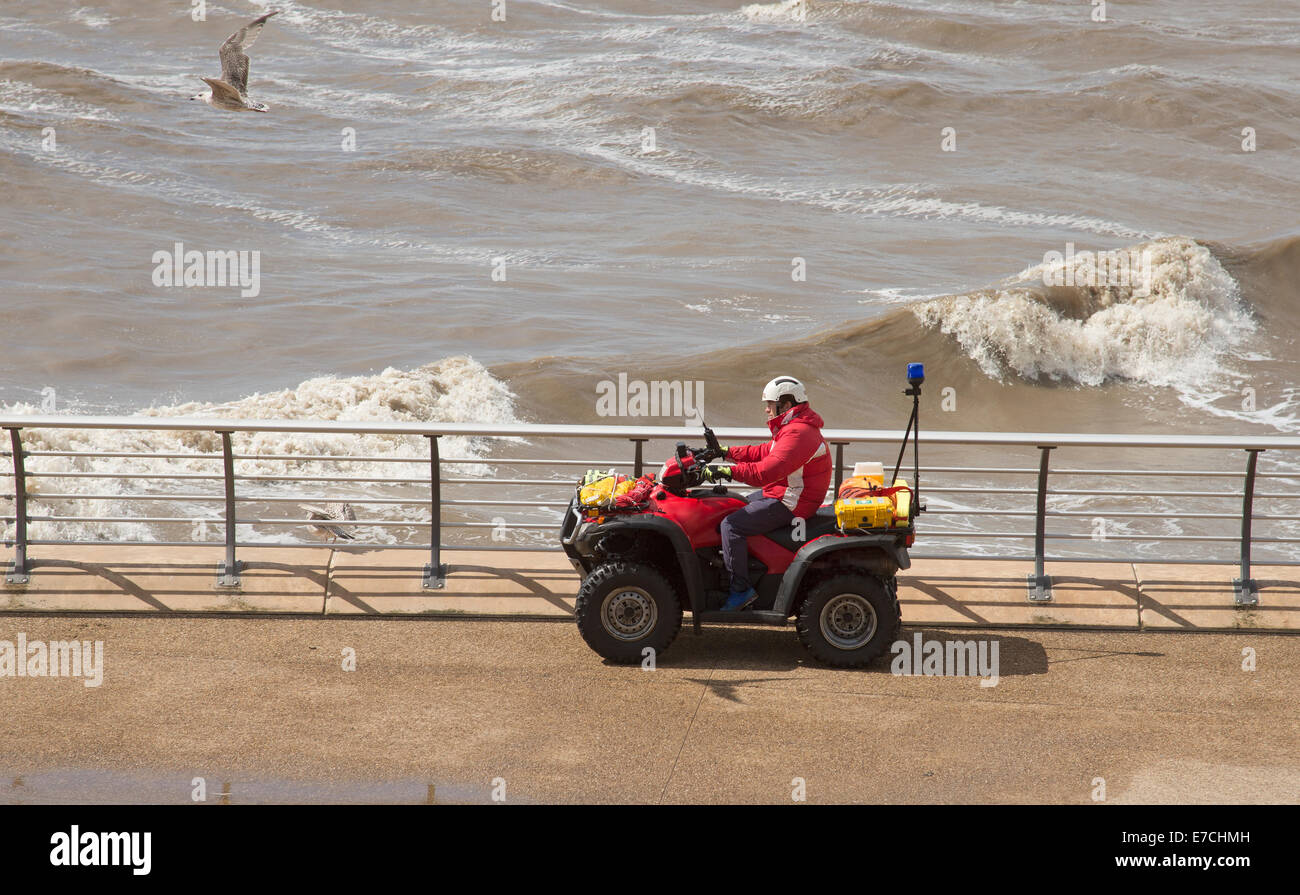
(895, 296)
(735, 308)
(192, 193)
(381, 38)
(1177, 330)
(785, 11)
(22, 98)
(895, 200)
(93, 18)
(455, 389)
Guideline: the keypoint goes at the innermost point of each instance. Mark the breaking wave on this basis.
(454, 389)
(1174, 326)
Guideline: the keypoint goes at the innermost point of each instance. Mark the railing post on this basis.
(1040, 584)
(228, 571)
(839, 467)
(435, 572)
(1245, 590)
(638, 459)
(19, 574)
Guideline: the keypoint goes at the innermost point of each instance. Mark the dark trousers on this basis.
(759, 516)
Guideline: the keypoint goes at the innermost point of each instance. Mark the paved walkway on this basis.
(438, 709)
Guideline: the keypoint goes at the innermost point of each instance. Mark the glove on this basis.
(724, 448)
(717, 473)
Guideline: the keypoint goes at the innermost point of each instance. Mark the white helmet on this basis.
(785, 385)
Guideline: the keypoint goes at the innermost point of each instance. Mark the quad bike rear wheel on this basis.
(624, 608)
(848, 619)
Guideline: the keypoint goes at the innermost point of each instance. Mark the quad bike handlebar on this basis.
(692, 461)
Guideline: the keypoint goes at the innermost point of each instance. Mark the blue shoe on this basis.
(739, 599)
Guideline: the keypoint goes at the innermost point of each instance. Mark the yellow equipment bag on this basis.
(599, 491)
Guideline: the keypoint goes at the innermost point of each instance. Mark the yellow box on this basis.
(864, 512)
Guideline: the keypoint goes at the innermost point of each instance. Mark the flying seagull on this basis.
(230, 91)
(333, 512)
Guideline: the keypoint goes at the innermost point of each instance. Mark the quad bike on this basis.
(650, 549)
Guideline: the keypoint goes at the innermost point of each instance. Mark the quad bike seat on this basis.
(820, 523)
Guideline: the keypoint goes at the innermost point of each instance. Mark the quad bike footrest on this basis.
(744, 617)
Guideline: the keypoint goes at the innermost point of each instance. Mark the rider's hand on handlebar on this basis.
(717, 473)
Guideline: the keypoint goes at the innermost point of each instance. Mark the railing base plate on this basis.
(1245, 593)
(434, 580)
(18, 578)
(229, 577)
(1040, 589)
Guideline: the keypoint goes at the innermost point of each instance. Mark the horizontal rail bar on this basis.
(150, 519)
(410, 523)
(178, 476)
(524, 430)
(599, 464)
(490, 480)
(1069, 492)
(197, 497)
(549, 526)
(349, 545)
(142, 455)
(1109, 537)
(996, 470)
(1146, 560)
(932, 511)
(187, 476)
(399, 501)
(361, 458)
(306, 499)
(215, 520)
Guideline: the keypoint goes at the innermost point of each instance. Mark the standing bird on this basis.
(230, 92)
(333, 512)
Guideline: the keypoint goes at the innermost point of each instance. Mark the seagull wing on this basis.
(222, 90)
(329, 514)
(234, 64)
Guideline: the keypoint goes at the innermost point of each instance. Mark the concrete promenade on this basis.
(446, 704)
(436, 710)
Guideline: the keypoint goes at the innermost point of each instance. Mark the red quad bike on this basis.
(655, 550)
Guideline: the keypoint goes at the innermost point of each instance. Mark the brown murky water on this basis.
(706, 191)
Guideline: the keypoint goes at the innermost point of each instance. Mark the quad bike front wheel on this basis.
(625, 608)
(849, 619)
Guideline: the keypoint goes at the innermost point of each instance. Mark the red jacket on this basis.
(794, 467)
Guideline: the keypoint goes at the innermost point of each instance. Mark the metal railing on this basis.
(235, 486)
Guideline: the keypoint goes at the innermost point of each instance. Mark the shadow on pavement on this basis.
(779, 650)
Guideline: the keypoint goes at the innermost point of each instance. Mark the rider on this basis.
(794, 470)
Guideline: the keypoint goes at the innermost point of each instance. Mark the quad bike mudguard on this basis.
(893, 553)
